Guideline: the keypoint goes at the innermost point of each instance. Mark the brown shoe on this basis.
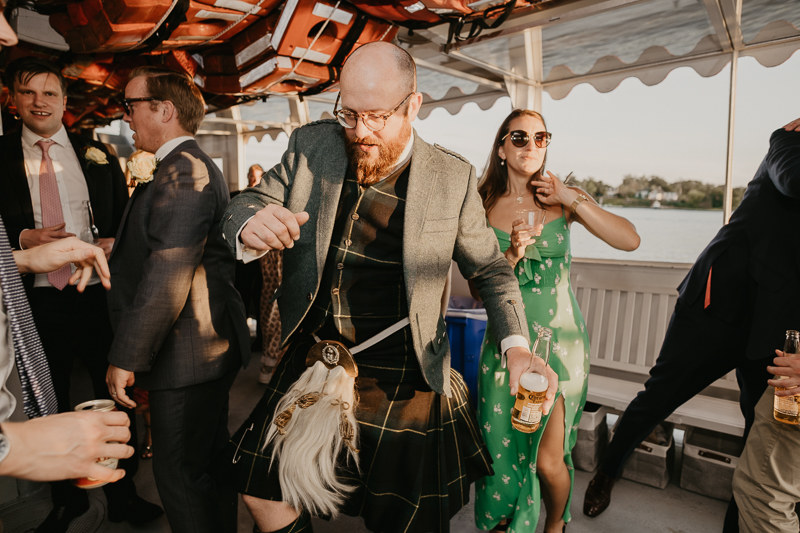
(598, 494)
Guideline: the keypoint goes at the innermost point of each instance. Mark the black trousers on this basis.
(698, 349)
(190, 427)
(73, 325)
(248, 282)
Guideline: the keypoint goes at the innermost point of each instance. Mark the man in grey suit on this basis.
(370, 217)
(180, 329)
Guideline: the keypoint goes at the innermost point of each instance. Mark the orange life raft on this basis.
(402, 11)
(313, 29)
(242, 51)
(277, 74)
(109, 25)
(121, 25)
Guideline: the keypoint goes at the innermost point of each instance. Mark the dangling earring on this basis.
(502, 162)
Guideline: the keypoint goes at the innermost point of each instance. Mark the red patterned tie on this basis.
(51, 207)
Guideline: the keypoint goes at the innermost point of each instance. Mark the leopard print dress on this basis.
(270, 320)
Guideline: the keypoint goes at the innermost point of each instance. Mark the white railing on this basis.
(627, 307)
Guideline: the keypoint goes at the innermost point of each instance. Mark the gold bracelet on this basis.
(577, 202)
(512, 265)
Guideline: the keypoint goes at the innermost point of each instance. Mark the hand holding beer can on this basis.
(526, 415)
(108, 462)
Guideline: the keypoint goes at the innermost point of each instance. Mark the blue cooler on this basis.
(465, 328)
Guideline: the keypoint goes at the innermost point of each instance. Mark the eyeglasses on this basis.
(372, 121)
(520, 138)
(126, 103)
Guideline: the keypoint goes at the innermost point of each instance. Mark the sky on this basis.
(676, 130)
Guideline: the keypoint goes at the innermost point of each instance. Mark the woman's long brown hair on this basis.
(494, 182)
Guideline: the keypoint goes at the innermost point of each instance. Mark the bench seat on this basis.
(701, 411)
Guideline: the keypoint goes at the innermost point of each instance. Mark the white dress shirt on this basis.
(7, 400)
(169, 146)
(72, 188)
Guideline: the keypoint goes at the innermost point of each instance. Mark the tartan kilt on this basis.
(419, 451)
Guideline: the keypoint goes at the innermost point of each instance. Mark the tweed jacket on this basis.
(444, 221)
(177, 318)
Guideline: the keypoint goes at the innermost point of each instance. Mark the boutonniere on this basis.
(142, 167)
(95, 156)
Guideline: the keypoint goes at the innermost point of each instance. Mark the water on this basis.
(671, 235)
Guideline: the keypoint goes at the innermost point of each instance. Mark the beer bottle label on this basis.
(531, 413)
(787, 405)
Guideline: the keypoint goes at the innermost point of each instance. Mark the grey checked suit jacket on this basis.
(177, 318)
(444, 220)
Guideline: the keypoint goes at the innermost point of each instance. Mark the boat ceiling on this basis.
(466, 51)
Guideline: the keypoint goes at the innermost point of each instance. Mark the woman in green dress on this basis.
(536, 466)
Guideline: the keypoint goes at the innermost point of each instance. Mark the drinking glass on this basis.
(88, 232)
(533, 217)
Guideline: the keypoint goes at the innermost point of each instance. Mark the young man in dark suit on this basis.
(180, 327)
(50, 175)
(61, 446)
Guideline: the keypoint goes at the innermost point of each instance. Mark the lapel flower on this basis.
(142, 167)
(95, 156)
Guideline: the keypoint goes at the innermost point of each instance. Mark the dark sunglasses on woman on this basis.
(520, 138)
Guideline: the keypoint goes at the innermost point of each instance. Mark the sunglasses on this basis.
(520, 138)
(126, 103)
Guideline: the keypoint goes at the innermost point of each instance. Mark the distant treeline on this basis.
(641, 191)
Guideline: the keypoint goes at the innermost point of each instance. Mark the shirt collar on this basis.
(169, 146)
(404, 157)
(30, 138)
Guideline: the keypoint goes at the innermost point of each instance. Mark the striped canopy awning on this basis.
(569, 42)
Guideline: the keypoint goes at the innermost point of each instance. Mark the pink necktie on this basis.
(51, 207)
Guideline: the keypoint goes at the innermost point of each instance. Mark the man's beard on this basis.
(371, 170)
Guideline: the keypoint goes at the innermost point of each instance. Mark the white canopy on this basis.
(569, 42)
(563, 43)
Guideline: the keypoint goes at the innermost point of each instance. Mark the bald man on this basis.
(369, 217)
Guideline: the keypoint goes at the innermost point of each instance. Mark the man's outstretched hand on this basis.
(117, 380)
(67, 446)
(789, 368)
(53, 255)
(793, 125)
(30, 238)
(273, 228)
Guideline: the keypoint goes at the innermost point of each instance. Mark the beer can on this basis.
(108, 462)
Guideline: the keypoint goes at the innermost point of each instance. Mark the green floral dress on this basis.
(513, 491)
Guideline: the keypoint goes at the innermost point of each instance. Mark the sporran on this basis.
(312, 423)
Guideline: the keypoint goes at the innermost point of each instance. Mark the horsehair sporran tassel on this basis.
(304, 402)
(307, 400)
(347, 431)
(283, 419)
(310, 441)
(322, 390)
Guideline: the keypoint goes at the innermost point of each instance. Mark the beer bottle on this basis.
(787, 408)
(526, 416)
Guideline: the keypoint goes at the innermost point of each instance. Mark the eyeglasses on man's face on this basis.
(521, 138)
(126, 103)
(373, 121)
